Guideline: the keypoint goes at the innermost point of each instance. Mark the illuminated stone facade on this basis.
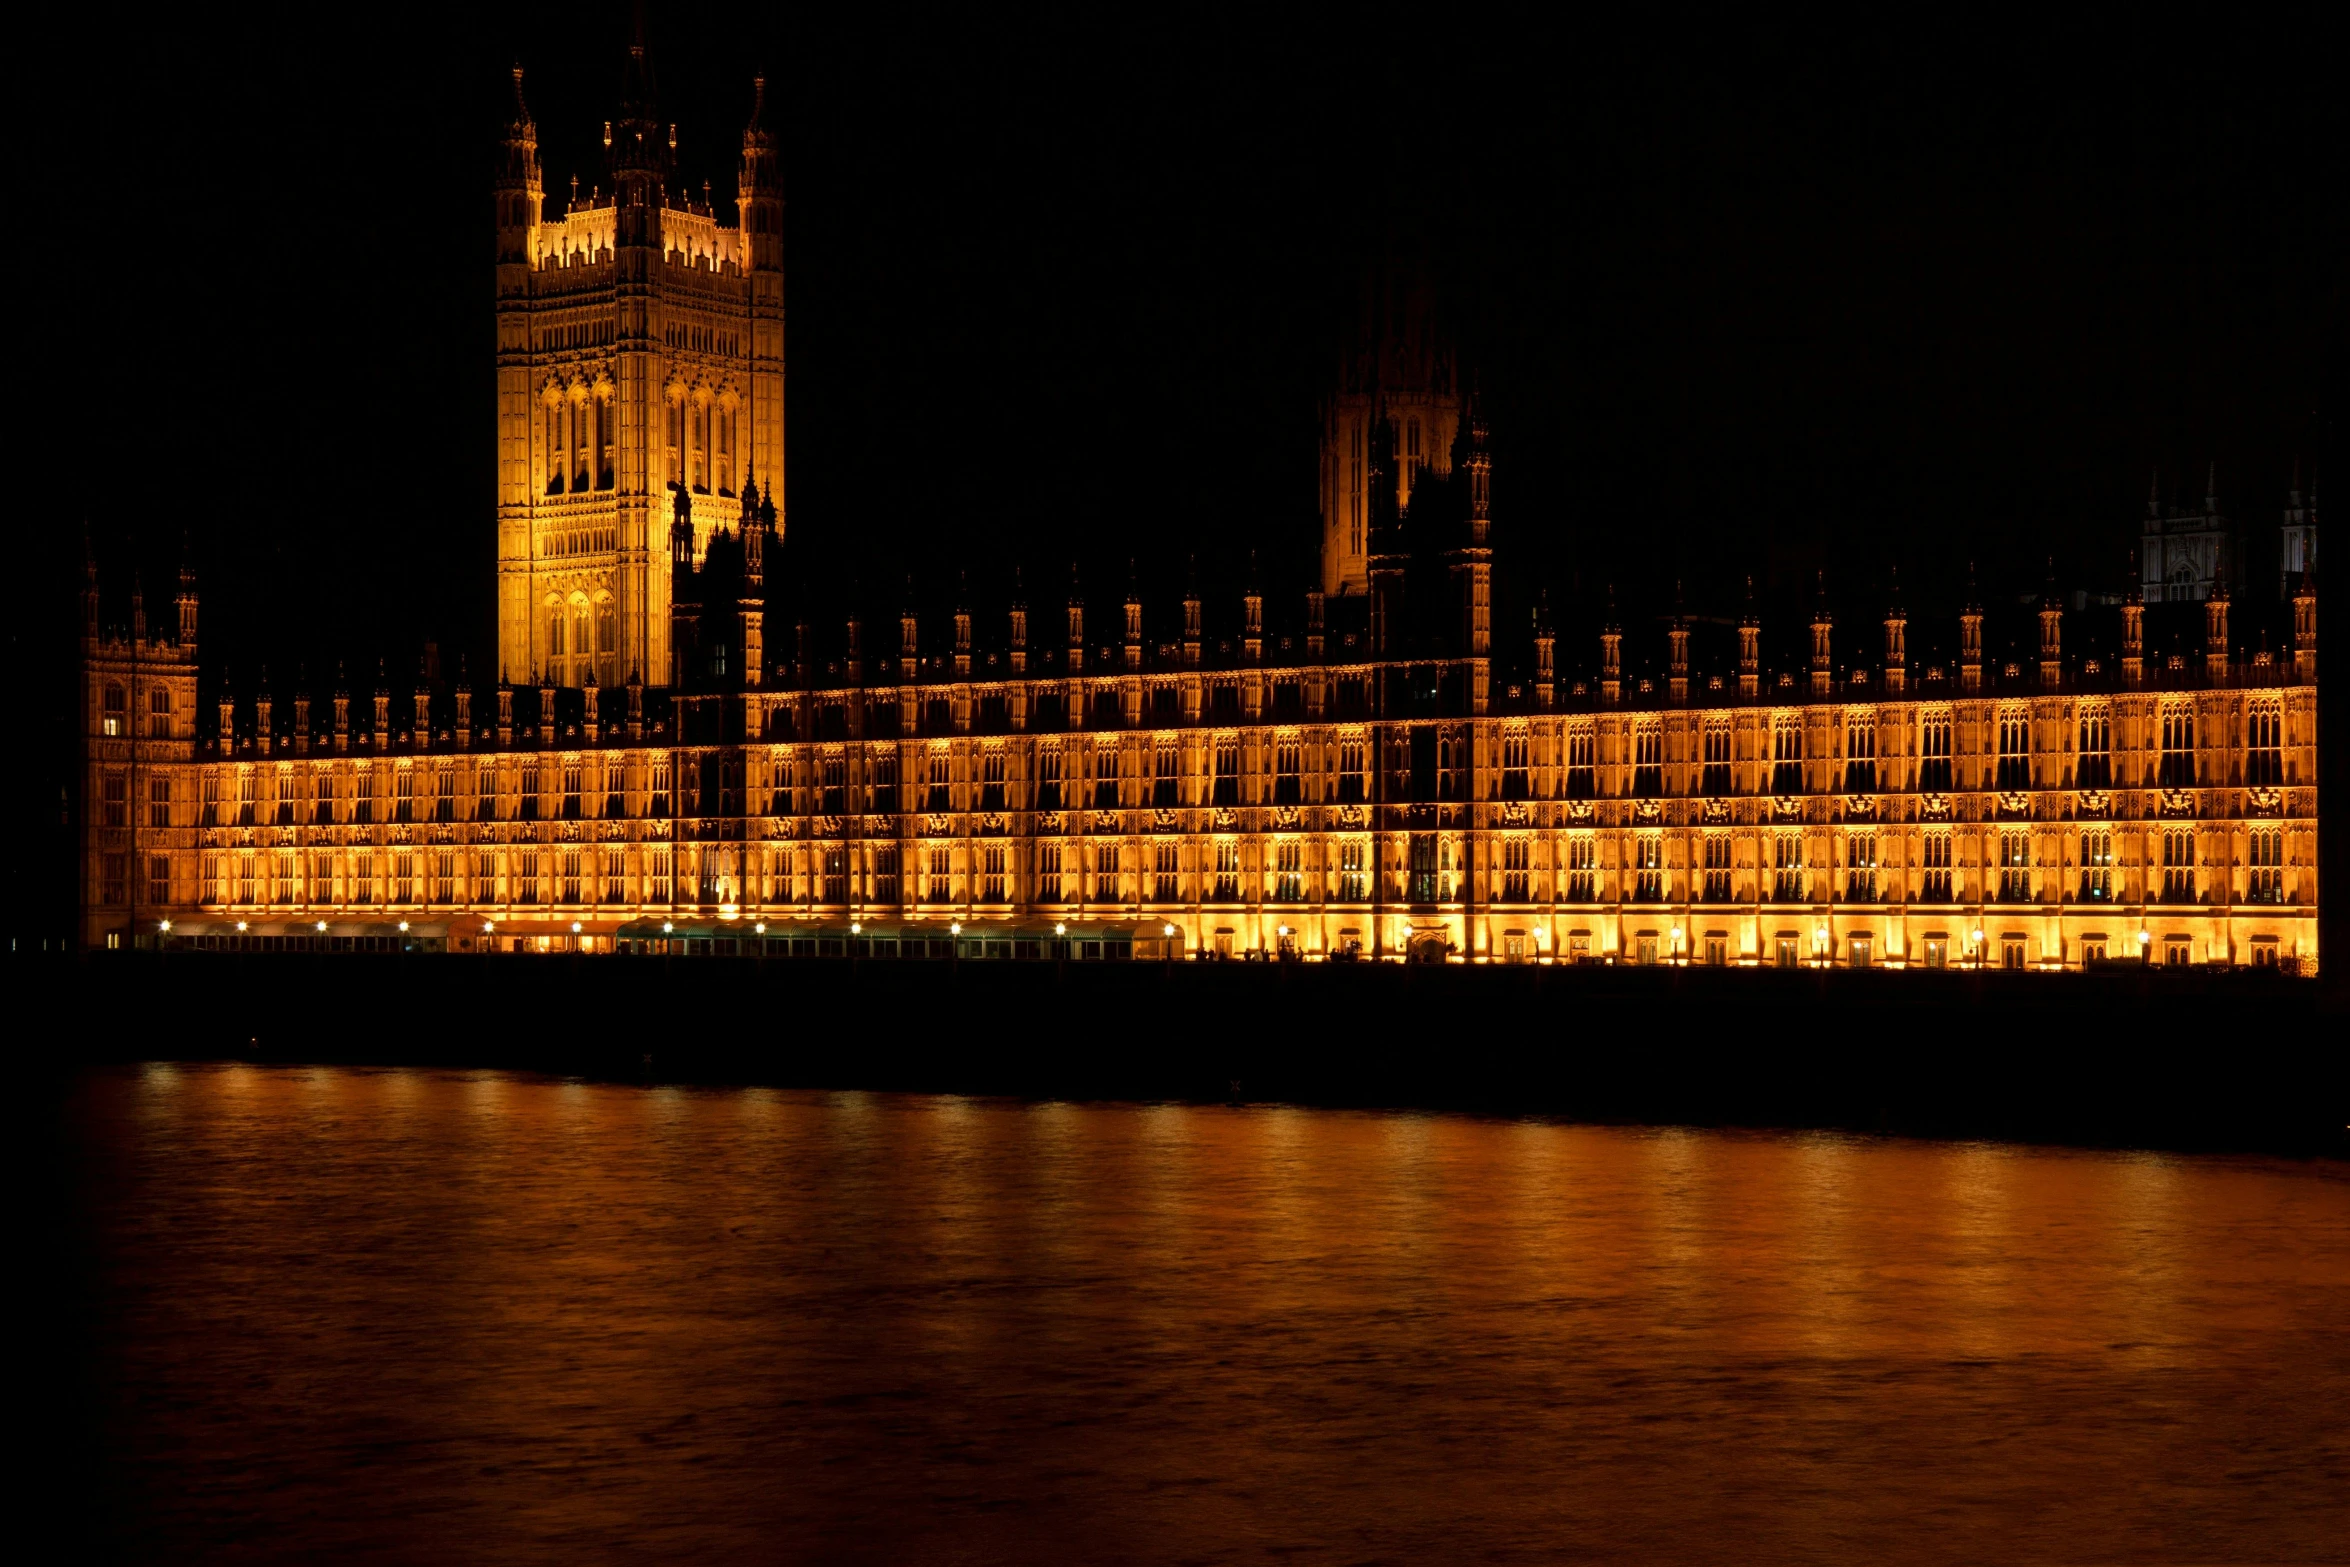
(1255, 803)
(1366, 787)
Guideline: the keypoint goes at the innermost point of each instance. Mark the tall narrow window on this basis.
(1934, 754)
(1718, 850)
(2015, 749)
(996, 884)
(1353, 885)
(1513, 765)
(2264, 752)
(1286, 788)
(2266, 856)
(1648, 758)
(1166, 859)
(1717, 756)
(1648, 868)
(1582, 884)
(1226, 888)
(1787, 867)
(2015, 866)
(2178, 865)
(2097, 865)
(991, 782)
(1227, 784)
(1048, 873)
(2178, 747)
(1582, 775)
(2093, 765)
(1786, 753)
(1353, 776)
(1860, 868)
(1934, 868)
(1860, 753)
(1289, 881)
(1516, 858)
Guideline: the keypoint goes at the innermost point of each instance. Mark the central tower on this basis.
(1400, 365)
(640, 357)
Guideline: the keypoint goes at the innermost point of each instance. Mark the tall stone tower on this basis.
(1401, 363)
(640, 354)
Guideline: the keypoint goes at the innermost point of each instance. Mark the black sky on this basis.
(1744, 298)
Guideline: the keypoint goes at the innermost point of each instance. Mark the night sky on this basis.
(1755, 300)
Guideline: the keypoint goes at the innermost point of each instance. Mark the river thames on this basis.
(440, 1316)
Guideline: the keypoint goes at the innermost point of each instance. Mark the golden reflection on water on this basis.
(512, 1319)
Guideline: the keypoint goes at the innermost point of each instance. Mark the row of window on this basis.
(1435, 869)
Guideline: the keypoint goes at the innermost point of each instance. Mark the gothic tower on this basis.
(1400, 361)
(640, 359)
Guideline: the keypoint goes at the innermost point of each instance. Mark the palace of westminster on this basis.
(658, 769)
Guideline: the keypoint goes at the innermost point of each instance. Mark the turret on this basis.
(2305, 626)
(1191, 617)
(1970, 637)
(638, 152)
(1823, 626)
(751, 603)
(228, 714)
(588, 727)
(962, 629)
(505, 713)
(517, 192)
(1133, 620)
(423, 711)
(464, 698)
(2051, 634)
(264, 730)
(547, 730)
(1749, 648)
(1611, 655)
(1545, 656)
(684, 589)
(1076, 623)
(2215, 627)
(636, 706)
(759, 201)
(909, 628)
(187, 605)
(856, 649)
(1019, 627)
(2134, 627)
(1896, 639)
(1252, 616)
(1315, 638)
(1677, 650)
(138, 610)
(342, 703)
(759, 187)
(301, 715)
(383, 709)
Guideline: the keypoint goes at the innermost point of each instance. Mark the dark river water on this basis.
(420, 1316)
